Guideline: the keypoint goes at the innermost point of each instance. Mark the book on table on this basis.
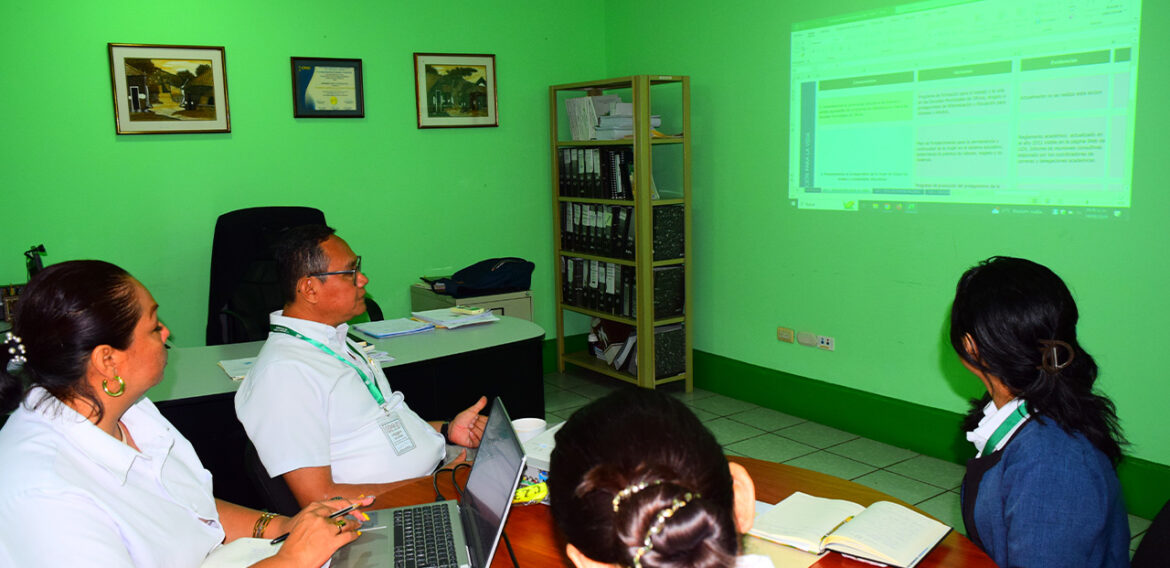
(445, 318)
(884, 532)
(237, 369)
(393, 327)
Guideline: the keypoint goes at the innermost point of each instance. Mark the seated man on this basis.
(320, 411)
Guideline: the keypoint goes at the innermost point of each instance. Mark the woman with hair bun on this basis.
(91, 474)
(1042, 490)
(635, 480)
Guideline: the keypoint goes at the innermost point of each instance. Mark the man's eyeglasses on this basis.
(357, 268)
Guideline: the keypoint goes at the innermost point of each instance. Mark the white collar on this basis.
(101, 448)
(992, 418)
(333, 336)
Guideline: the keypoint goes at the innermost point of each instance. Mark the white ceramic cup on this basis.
(528, 428)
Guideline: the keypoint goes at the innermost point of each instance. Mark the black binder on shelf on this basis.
(618, 235)
(669, 352)
(563, 187)
(668, 291)
(668, 231)
(579, 281)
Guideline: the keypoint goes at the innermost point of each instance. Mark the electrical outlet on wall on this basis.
(807, 338)
(825, 342)
(785, 334)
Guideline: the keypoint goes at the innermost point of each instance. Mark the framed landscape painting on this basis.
(455, 90)
(169, 89)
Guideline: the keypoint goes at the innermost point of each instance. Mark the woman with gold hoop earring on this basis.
(73, 489)
(121, 386)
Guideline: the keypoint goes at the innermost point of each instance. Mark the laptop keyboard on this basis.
(423, 539)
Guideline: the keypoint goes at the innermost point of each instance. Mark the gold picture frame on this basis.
(169, 89)
(455, 90)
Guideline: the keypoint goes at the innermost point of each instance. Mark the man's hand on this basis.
(467, 427)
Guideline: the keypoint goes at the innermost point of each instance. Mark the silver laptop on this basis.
(460, 535)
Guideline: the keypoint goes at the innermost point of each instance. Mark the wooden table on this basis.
(537, 544)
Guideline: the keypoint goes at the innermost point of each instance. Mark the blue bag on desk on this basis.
(491, 276)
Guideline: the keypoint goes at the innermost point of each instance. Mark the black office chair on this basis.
(244, 282)
(273, 491)
(1154, 550)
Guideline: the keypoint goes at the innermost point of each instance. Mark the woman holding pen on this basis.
(90, 471)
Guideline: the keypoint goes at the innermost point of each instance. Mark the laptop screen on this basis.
(491, 484)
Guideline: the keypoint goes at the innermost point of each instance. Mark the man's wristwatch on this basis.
(444, 432)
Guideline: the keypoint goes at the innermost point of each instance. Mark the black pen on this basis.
(335, 514)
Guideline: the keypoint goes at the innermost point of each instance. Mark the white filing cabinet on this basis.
(514, 304)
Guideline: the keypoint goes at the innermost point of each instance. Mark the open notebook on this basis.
(883, 532)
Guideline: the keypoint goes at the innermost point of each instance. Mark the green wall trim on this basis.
(881, 418)
(928, 431)
(572, 343)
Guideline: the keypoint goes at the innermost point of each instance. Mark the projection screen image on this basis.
(996, 106)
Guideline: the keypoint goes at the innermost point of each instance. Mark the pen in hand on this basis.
(336, 514)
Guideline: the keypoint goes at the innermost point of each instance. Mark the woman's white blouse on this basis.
(72, 495)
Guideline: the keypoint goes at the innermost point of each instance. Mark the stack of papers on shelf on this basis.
(392, 327)
(621, 132)
(582, 118)
(604, 122)
(237, 368)
(448, 319)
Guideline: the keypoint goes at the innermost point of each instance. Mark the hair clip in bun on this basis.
(1050, 355)
(15, 347)
(631, 490)
(659, 523)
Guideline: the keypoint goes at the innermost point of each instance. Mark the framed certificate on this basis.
(327, 88)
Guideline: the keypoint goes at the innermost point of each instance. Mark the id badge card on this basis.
(395, 431)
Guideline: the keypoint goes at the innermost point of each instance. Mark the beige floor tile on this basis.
(872, 452)
(770, 447)
(832, 464)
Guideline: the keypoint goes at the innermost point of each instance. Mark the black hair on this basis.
(64, 312)
(634, 436)
(1023, 321)
(298, 254)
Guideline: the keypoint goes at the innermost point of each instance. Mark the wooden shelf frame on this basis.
(640, 89)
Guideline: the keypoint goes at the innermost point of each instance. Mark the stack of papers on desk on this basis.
(539, 453)
(392, 327)
(448, 319)
(237, 368)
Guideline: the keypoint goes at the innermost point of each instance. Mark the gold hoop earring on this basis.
(121, 386)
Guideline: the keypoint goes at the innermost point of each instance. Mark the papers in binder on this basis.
(393, 327)
(237, 368)
(445, 318)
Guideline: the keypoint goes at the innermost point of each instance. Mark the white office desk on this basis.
(439, 372)
(194, 371)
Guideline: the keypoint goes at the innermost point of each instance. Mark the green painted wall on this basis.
(881, 286)
(411, 201)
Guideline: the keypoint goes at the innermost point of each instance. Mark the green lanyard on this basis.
(370, 385)
(1017, 415)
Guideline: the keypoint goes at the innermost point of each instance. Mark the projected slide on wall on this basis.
(993, 105)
